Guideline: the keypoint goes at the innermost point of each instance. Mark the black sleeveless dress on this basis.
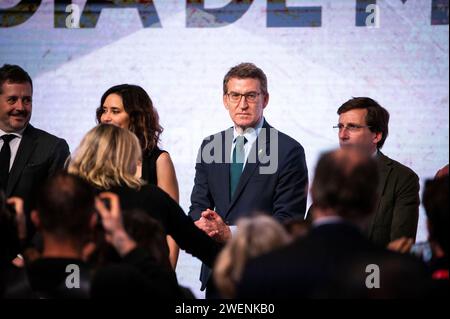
(149, 159)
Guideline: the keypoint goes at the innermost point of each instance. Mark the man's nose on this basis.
(343, 134)
(243, 103)
(20, 105)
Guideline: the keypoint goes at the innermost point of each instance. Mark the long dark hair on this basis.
(144, 119)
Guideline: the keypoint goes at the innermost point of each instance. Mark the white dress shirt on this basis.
(250, 134)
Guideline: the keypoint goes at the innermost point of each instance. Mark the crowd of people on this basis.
(105, 221)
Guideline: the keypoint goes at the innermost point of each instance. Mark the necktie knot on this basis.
(238, 152)
(240, 139)
(8, 138)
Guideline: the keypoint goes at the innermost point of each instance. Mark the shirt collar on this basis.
(251, 133)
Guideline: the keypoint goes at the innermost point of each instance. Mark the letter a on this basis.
(373, 279)
(73, 280)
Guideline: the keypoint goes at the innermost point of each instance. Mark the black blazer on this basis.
(397, 213)
(331, 262)
(160, 206)
(40, 155)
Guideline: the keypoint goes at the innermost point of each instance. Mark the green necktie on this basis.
(237, 163)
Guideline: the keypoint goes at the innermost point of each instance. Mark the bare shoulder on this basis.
(164, 160)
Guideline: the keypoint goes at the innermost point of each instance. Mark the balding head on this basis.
(65, 206)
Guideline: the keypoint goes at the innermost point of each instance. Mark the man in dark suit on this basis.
(28, 155)
(248, 167)
(335, 259)
(363, 123)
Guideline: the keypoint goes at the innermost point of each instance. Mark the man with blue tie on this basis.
(250, 167)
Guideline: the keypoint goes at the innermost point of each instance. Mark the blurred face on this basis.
(355, 133)
(15, 106)
(114, 112)
(244, 111)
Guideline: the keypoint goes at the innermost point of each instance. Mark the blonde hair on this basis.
(107, 156)
(255, 236)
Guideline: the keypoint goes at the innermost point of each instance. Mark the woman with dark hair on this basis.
(129, 106)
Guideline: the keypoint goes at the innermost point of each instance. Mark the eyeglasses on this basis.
(349, 127)
(250, 97)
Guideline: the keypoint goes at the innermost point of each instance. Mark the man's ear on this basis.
(266, 100)
(35, 219)
(225, 102)
(378, 136)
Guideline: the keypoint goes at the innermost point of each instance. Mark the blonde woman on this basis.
(255, 236)
(107, 157)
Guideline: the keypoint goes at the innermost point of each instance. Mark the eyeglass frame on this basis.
(246, 95)
(350, 127)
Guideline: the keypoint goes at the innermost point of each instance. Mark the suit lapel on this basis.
(384, 168)
(260, 146)
(26, 147)
(384, 164)
(223, 168)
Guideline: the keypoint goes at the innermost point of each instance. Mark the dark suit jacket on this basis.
(281, 194)
(330, 262)
(397, 213)
(40, 155)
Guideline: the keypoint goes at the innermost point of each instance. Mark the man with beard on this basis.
(27, 155)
